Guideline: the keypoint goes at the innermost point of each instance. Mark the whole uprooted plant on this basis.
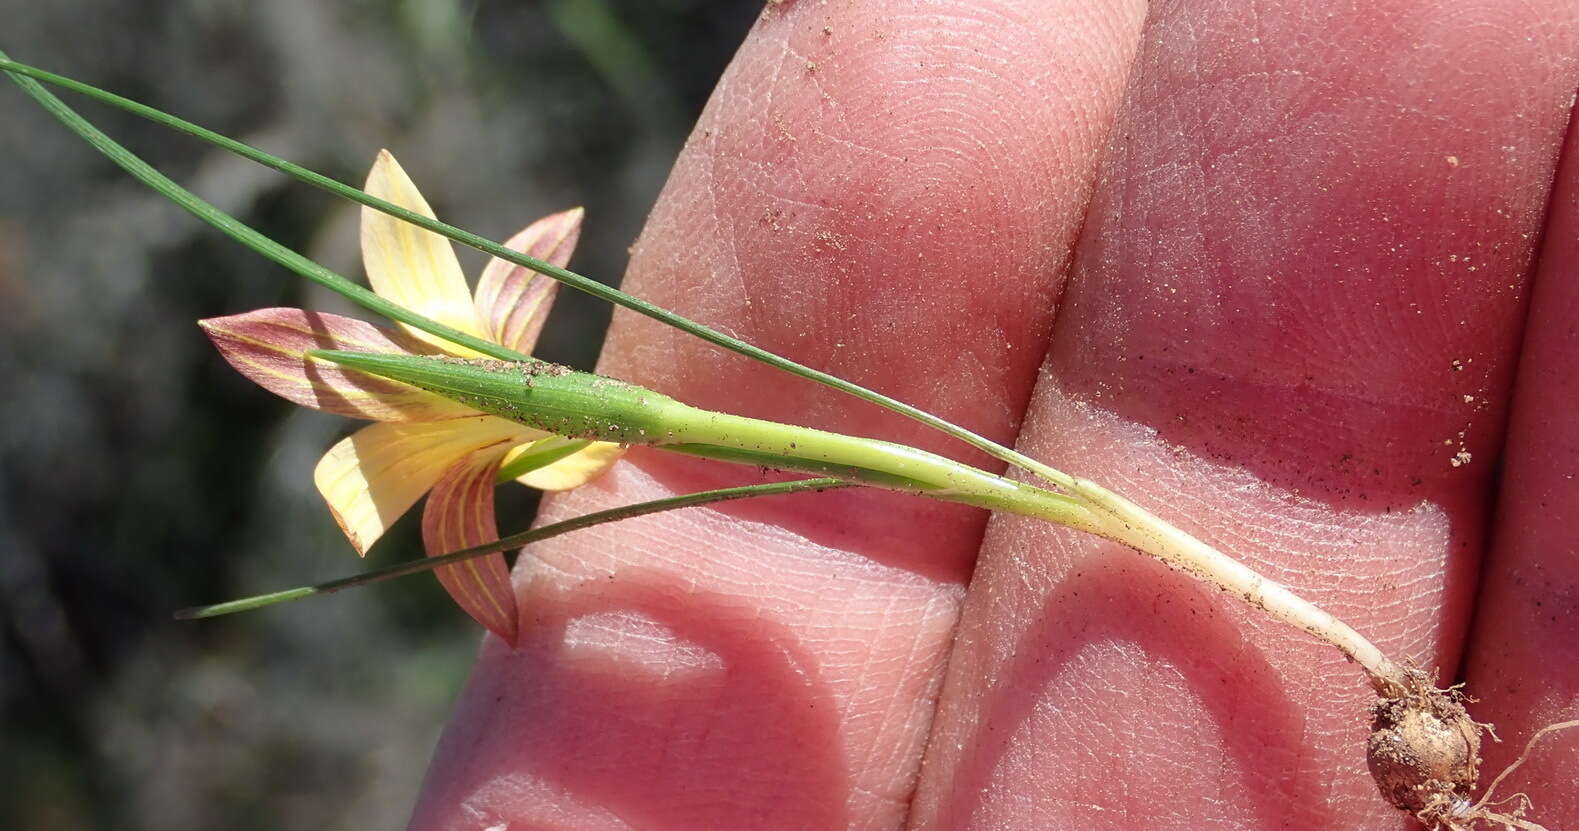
(461, 407)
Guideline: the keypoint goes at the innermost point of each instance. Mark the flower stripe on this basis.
(459, 514)
(269, 347)
(512, 301)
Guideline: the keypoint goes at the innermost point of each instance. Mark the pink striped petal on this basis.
(459, 514)
(512, 301)
(269, 346)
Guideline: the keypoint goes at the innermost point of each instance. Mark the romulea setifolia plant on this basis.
(1423, 750)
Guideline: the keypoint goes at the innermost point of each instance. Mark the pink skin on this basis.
(1298, 221)
(1524, 652)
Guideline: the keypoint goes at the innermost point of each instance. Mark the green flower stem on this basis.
(582, 405)
(241, 232)
(586, 406)
(565, 276)
(513, 541)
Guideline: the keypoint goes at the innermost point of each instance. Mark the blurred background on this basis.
(139, 474)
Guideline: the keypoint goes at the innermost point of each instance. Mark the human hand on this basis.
(1291, 323)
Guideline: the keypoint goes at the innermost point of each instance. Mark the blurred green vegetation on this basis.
(138, 474)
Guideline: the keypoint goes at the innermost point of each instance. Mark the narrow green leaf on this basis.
(513, 541)
(238, 230)
(565, 276)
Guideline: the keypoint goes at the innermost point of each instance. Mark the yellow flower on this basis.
(423, 443)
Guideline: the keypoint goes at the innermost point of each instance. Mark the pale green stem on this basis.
(587, 406)
(1143, 531)
(581, 405)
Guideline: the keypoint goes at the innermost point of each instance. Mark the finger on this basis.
(1289, 329)
(1523, 661)
(883, 190)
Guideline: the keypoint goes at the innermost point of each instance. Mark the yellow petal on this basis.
(377, 473)
(411, 266)
(576, 469)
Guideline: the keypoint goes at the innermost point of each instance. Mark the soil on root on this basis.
(1424, 753)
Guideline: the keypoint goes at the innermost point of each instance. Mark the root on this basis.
(1486, 811)
(1424, 754)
